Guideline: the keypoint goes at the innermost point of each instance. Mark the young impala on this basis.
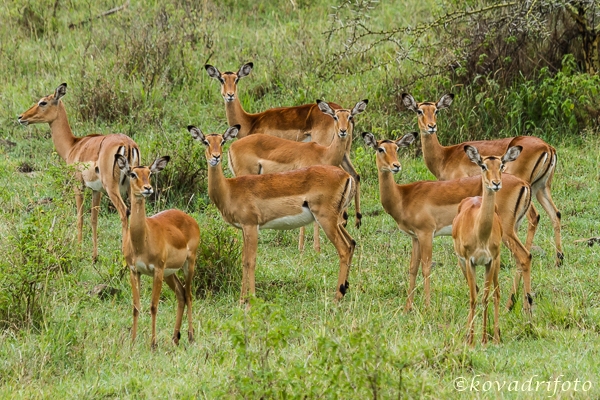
(477, 235)
(158, 246)
(300, 123)
(93, 157)
(425, 209)
(535, 165)
(285, 200)
(264, 154)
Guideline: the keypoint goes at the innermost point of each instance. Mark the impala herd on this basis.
(291, 167)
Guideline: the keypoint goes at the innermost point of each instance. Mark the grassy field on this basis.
(140, 72)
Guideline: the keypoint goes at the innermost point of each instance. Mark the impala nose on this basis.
(343, 132)
(496, 185)
(432, 127)
(20, 119)
(396, 167)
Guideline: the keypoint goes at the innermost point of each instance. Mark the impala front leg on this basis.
(156, 288)
(96, 196)
(250, 234)
(348, 167)
(134, 278)
(79, 204)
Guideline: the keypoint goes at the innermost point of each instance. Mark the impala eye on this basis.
(133, 175)
(435, 112)
(381, 150)
(42, 103)
(419, 111)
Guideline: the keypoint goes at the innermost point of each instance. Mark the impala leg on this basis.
(496, 294)
(96, 196)
(348, 167)
(339, 239)
(472, 301)
(79, 205)
(489, 272)
(415, 261)
(316, 238)
(426, 252)
(134, 278)
(250, 234)
(545, 199)
(175, 284)
(523, 259)
(156, 288)
(189, 292)
(301, 239)
(533, 218)
(351, 243)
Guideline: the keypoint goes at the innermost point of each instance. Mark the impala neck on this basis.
(137, 224)
(337, 149)
(218, 190)
(236, 115)
(485, 219)
(62, 135)
(387, 189)
(433, 153)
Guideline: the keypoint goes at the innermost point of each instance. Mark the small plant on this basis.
(219, 264)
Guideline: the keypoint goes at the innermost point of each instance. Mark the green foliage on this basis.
(38, 249)
(219, 265)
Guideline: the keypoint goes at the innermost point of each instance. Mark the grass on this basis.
(295, 342)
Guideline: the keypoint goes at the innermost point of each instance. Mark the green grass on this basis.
(295, 342)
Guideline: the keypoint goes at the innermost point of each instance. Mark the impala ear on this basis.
(369, 139)
(409, 102)
(231, 132)
(473, 155)
(122, 163)
(60, 91)
(325, 108)
(197, 134)
(445, 101)
(213, 72)
(360, 107)
(159, 164)
(406, 140)
(245, 70)
(512, 154)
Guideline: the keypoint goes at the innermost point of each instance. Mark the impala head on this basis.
(492, 166)
(45, 110)
(229, 80)
(139, 177)
(344, 119)
(427, 111)
(214, 142)
(387, 150)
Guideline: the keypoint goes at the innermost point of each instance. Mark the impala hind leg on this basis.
(250, 235)
(348, 167)
(175, 284)
(533, 219)
(523, 260)
(545, 199)
(189, 292)
(96, 196)
(344, 244)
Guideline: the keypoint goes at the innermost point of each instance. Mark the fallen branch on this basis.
(104, 14)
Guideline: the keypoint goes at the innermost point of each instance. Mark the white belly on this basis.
(95, 185)
(144, 269)
(290, 221)
(445, 231)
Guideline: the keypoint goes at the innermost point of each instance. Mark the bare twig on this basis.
(104, 14)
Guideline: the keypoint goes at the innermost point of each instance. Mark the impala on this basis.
(285, 201)
(93, 157)
(158, 246)
(300, 123)
(264, 154)
(535, 165)
(425, 209)
(477, 235)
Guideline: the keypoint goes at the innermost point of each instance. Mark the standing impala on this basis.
(264, 154)
(158, 246)
(426, 209)
(535, 165)
(93, 157)
(300, 123)
(284, 201)
(477, 235)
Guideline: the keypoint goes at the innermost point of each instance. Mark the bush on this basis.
(40, 249)
(219, 264)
